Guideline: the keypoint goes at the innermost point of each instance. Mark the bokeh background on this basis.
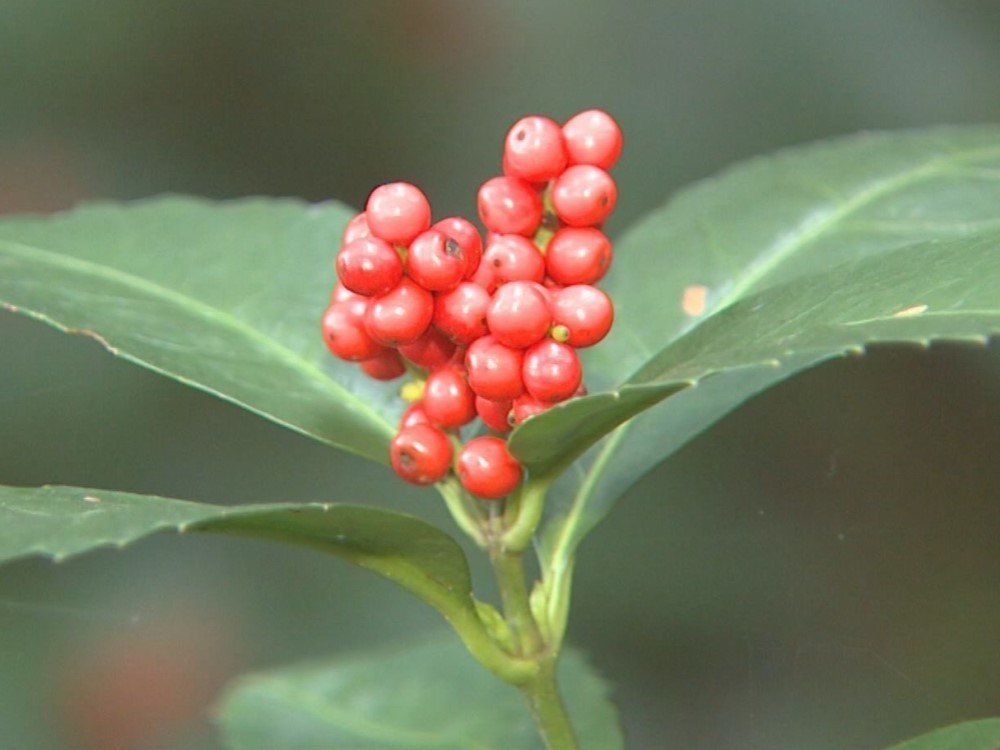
(820, 570)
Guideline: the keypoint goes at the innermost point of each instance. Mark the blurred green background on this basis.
(820, 570)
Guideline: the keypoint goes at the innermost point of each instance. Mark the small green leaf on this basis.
(58, 522)
(971, 735)
(432, 696)
(226, 297)
(802, 256)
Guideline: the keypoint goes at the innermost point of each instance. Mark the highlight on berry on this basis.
(485, 331)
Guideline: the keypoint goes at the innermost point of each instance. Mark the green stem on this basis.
(531, 502)
(548, 709)
(466, 515)
(509, 570)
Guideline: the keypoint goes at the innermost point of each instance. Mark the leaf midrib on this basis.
(789, 245)
(198, 309)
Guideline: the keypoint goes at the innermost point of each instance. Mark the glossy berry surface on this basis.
(432, 349)
(551, 371)
(584, 312)
(508, 205)
(356, 229)
(524, 407)
(513, 258)
(421, 454)
(385, 365)
(397, 212)
(464, 232)
(461, 314)
(448, 401)
(593, 137)
(369, 266)
(401, 315)
(494, 370)
(534, 149)
(435, 261)
(414, 414)
(578, 255)
(487, 469)
(518, 314)
(344, 331)
(584, 195)
(495, 414)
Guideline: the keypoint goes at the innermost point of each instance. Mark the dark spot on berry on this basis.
(604, 199)
(406, 460)
(453, 248)
(520, 135)
(497, 263)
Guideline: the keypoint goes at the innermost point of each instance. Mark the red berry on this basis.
(494, 370)
(464, 232)
(518, 314)
(551, 371)
(494, 413)
(524, 407)
(593, 137)
(356, 229)
(401, 315)
(461, 313)
(369, 266)
(344, 331)
(397, 212)
(578, 255)
(581, 315)
(448, 400)
(341, 293)
(486, 468)
(510, 206)
(421, 454)
(414, 414)
(534, 149)
(386, 365)
(584, 195)
(514, 258)
(435, 261)
(432, 349)
(486, 277)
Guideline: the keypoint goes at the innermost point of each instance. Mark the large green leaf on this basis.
(225, 297)
(431, 696)
(58, 522)
(971, 735)
(806, 255)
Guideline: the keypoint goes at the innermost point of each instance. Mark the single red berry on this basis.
(581, 315)
(461, 313)
(344, 331)
(487, 469)
(578, 255)
(341, 293)
(464, 232)
(432, 349)
(421, 454)
(495, 414)
(435, 261)
(397, 212)
(386, 365)
(551, 371)
(534, 149)
(584, 195)
(514, 258)
(524, 407)
(510, 206)
(401, 315)
(485, 277)
(593, 137)
(448, 400)
(414, 414)
(356, 229)
(369, 266)
(494, 370)
(518, 314)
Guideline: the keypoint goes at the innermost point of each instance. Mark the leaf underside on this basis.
(59, 522)
(428, 696)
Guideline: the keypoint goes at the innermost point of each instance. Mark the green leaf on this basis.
(224, 297)
(431, 696)
(806, 255)
(58, 522)
(971, 735)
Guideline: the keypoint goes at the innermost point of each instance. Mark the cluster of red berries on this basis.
(488, 331)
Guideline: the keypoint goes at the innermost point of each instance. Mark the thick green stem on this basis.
(548, 709)
(509, 570)
(531, 502)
